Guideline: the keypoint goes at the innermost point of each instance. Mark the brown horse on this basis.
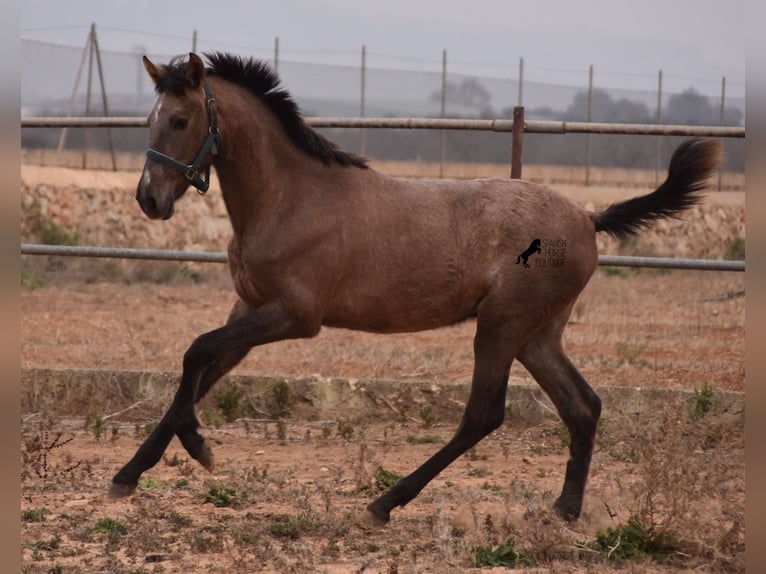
(321, 239)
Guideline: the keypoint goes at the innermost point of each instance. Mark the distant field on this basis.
(551, 174)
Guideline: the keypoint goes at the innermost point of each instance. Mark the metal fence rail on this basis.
(497, 125)
(220, 257)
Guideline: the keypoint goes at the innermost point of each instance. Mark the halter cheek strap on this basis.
(192, 170)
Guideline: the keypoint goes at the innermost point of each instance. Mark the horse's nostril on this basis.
(150, 204)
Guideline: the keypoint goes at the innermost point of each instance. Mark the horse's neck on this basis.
(261, 171)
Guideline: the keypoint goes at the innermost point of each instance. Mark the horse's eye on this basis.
(180, 123)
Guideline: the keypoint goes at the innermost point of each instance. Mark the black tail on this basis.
(690, 168)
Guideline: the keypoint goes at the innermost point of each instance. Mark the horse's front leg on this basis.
(208, 358)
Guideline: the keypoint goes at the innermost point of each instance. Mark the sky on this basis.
(692, 41)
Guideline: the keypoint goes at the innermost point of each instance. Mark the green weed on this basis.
(428, 439)
(629, 352)
(228, 401)
(114, 529)
(52, 233)
(31, 279)
(222, 496)
(292, 527)
(345, 430)
(149, 483)
(35, 514)
(505, 555)
(385, 479)
(427, 416)
(280, 397)
(735, 250)
(174, 273)
(634, 541)
(702, 402)
(97, 424)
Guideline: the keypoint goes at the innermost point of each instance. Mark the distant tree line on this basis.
(687, 108)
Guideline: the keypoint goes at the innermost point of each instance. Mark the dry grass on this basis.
(292, 506)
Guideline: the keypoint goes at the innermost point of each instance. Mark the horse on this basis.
(320, 238)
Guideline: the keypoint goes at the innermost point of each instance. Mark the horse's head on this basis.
(183, 136)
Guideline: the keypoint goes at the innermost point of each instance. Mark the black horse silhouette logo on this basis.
(533, 248)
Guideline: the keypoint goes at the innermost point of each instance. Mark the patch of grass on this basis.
(735, 251)
(345, 430)
(96, 422)
(280, 397)
(629, 352)
(505, 555)
(385, 479)
(613, 271)
(222, 496)
(292, 527)
(52, 543)
(35, 514)
(473, 454)
(228, 401)
(427, 439)
(179, 520)
(31, 279)
(114, 529)
(634, 541)
(495, 489)
(174, 273)
(428, 417)
(149, 483)
(702, 402)
(479, 471)
(52, 233)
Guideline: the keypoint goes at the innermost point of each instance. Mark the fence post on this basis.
(104, 102)
(517, 143)
(73, 97)
(443, 112)
(363, 135)
(521, 81)
(276, 54)
(659, 138)
(86, 133)
(720, 122)
(194, 41)
(590, 119)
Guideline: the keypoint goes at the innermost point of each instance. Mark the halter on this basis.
(210, 145)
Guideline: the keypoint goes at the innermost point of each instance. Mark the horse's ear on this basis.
(155, 73)
(195, 70)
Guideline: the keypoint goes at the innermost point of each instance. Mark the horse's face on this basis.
(178, 125)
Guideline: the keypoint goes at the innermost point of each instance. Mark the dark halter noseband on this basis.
(210, 145)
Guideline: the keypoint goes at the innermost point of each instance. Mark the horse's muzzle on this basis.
(154, 205)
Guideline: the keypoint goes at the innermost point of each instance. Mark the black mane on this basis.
(259, 79)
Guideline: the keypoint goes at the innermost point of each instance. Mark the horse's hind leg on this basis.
(125, 481)
(577, 404)
(483, 414)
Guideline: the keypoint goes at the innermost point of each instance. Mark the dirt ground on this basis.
(286, 493)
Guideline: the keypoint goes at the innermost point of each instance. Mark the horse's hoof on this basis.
(117, 490)
(206, 458)
(567, 512)
(368, 520)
